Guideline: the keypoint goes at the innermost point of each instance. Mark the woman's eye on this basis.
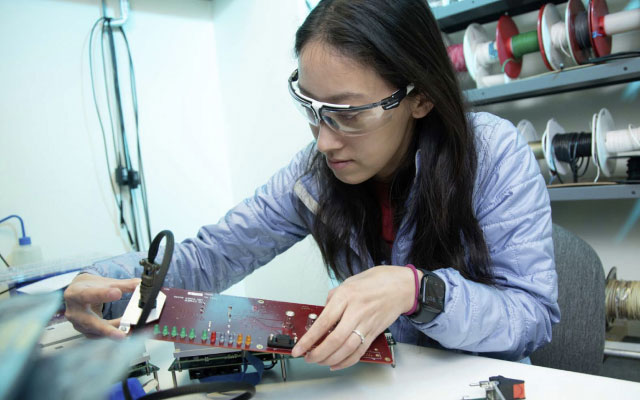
(349, 116)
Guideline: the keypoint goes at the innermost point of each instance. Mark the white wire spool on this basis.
(527, 131)
(554, 39)
(602, 25)
(492, 80)
(621, 22)
(573, 10)
(553, 128)
(532, 65)
(527, 134)
(606, 160)
(594, 149)
(480, 53)
(623, 140)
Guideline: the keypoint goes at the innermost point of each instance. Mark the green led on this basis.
(165, 331)
(183, 333)
(156, 329)
(174, 332)
(204, 336)
(192, 334)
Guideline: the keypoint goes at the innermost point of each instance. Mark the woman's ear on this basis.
(421, 107)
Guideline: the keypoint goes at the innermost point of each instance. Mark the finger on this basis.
(350, 346)
(125, 285)
(352, 359)
(95, 295)
(326, 320)
(89, 323)
(330, 295)
(334, 341)
(114, 322)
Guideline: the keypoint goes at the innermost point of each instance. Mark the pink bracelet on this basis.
(415, 277)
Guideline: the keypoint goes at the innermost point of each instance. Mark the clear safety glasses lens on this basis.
(356, 122)
(307, 111)
(348, 122)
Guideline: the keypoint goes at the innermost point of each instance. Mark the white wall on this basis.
(254, 41)
(53, 166)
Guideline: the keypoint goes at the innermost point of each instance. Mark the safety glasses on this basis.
(346, 119)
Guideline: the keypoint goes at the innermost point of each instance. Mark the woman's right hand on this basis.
(84, 299)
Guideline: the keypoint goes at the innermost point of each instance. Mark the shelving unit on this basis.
(578, 78)
(599, 192)
(456, 16)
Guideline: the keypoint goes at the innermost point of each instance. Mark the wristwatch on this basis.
(430, 299)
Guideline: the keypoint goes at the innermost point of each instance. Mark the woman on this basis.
(398, 175)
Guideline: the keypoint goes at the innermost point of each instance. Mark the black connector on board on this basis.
(280, 341)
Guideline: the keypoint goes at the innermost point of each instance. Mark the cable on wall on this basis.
(128, 184)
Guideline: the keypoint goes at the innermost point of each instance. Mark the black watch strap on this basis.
(431, 297)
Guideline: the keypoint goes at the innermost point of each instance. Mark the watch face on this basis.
(433, 292)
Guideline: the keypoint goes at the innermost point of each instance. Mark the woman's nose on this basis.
(327, 140)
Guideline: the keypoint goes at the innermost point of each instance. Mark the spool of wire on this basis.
(456, 55)
(573, 148)
(582, 30)
(524, 43)
(633, 168)
(622, 299)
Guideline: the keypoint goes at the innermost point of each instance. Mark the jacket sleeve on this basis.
(514, 317)
(247, 237)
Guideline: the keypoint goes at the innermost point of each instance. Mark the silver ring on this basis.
(357, 332)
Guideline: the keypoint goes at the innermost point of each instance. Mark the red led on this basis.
(213, 337)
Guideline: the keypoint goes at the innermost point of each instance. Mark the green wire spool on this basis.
(524, 43)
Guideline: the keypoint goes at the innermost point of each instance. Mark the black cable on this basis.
(572, 148)
(273, 364)
(615, 56)
(123, 134)
(114, 140)
(134, 98)
(158, 278)
(5, 262)
(123, 158)
(125, 390)
(209, 387)
(582, 32)
(118, 201)
(95, 102)
(157, 275)
(633, 168)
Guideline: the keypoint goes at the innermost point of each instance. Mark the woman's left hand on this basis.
(369, 303)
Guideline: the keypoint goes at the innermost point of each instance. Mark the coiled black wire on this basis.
(633, 168)
(573, 148)
(582, 32)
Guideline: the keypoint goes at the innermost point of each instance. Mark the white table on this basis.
(421, 373)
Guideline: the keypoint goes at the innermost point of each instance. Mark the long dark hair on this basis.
(400, 39)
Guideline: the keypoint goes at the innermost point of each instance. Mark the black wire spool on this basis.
(582, 32)
(573, 148)
(633, 168)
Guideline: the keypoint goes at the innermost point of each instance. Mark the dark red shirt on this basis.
(388, 231)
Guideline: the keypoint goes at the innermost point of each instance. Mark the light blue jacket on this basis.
(511, 203)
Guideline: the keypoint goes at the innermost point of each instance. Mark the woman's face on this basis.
(327, 76)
